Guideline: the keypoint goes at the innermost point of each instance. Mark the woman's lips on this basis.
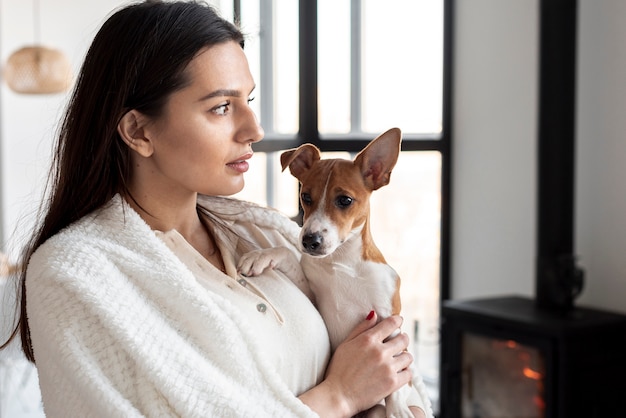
(240, 164)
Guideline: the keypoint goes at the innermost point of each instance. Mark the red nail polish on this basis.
(370, 315)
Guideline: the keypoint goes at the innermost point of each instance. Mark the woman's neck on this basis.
(167, 213)
(182, 216)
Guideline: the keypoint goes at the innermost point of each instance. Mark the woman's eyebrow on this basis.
(223, 93)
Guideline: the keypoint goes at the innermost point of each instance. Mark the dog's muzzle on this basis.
(312, 244)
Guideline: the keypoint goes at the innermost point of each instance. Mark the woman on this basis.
(131, 304)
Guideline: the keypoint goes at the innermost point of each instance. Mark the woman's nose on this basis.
(252, 130)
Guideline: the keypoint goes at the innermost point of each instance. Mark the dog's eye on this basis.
(306, 199)
(343, 201)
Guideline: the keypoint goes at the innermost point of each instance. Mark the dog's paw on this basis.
(256, 262)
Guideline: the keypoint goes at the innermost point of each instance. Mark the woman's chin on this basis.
(226, 191)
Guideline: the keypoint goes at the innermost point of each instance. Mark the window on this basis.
(337, 73)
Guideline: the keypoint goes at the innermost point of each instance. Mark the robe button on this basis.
(242, 282)
(261, 307)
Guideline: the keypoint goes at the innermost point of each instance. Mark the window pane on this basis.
(333, 56)
(271, 29)
(251, 27)
(380, 65)
(285, 191)
(406, 223)
(402, 65)
(285, 66)
(399, 51)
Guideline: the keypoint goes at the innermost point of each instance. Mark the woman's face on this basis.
(203, 139)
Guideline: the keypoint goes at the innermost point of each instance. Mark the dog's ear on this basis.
(378, 158)
(300, 159)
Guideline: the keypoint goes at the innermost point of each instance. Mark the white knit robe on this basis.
(121, 328)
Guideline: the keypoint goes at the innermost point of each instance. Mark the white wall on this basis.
(27, 123)
(601, 130)
(495, 124)
(494, 147)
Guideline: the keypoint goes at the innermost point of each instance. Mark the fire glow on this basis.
(532, 374)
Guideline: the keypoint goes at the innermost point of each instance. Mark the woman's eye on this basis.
(221, 109)
(250, 99)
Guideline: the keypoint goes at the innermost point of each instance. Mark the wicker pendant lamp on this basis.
(36, 69)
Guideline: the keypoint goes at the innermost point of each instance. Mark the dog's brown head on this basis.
(335, 192)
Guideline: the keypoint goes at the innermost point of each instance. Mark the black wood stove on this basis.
(505, 357)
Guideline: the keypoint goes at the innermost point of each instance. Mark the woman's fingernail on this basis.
(370, 315)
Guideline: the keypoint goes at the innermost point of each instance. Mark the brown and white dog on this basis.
(345, 270)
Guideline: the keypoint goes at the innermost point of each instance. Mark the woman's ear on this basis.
(132, 130)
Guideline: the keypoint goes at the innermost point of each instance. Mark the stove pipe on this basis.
(558, 280)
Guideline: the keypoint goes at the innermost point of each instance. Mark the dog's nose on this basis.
(312, 242)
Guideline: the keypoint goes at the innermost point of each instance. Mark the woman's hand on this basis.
(417, 412)
(365, 368)
(381, 412)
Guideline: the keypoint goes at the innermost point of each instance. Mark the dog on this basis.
(347, 273)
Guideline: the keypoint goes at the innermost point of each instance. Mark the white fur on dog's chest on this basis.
(346, 292)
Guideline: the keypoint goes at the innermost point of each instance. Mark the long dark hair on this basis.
(136, 61)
